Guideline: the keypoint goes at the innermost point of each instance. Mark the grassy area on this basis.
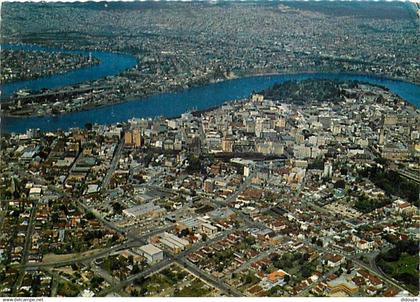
(68, 289)
(406, 264)
(173, 281)
(405, 269)
(248, 279)
(197, 289)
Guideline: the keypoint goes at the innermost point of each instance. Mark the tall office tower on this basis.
(327, 170)
(137, 138)
(128, 138)
(382, 137)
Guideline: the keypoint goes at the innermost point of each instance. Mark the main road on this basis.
(26, 248)
(114, 163)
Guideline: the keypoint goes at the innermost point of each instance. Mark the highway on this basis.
(135, 241)
(87, 256)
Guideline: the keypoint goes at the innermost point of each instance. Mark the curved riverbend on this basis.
(203, 97)
(110, 64)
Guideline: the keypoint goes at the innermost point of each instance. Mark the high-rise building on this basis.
(137, 138)
(227, 144)
(382, 137)
(327, 170)
(128, 138)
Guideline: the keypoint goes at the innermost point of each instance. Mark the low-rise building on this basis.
(152, 253)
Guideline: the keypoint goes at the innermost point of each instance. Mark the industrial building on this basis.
(174, 243)
(152, 253)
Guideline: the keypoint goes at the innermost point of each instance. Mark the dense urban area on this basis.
(305, 189)
(308, 188)
(179, 45)
(21, 65)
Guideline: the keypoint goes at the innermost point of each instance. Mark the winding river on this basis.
(165, 104)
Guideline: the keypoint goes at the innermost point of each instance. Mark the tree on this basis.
(139, 281)
(319, 243)
(340, 184)
(204, 237)
(392, 255)
(106, 264)
(306, 271)
(117, 207)
(54, 217)
(88, 126)
(114, 238)
(264, 268)
(249, 240)
(274, 290)
(96, 281)
(275, 257)
(249, 278)
(89, 216)
(136, 269)
(184, 232)
(194, 164)
(407, 246)
(36, 284)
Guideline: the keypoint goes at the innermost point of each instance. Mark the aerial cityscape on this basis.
(210, 149)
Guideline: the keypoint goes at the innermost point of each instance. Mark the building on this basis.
(382, 137)
(342, 285)
(327, 170)
(301, 151)
(281, 122)
(137, 141)
(262, 124)
(208, 229)
(274, 279)
(152, 253)
(208, 186)
(173, 242)
(333, 260)
(227, 144)
(144, 209)
(133, 138)
(392, 152)
(128, 138)
(257, 98)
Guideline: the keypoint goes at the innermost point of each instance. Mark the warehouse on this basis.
(152, 253)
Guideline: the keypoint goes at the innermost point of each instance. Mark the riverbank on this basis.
(197, 98)
(370, 79)
(110, 64)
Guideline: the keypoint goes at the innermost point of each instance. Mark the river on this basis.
(168, 104)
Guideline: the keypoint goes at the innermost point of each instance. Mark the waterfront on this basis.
(207, 96)
(166, 104)
(111, 63)
(223, 149)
